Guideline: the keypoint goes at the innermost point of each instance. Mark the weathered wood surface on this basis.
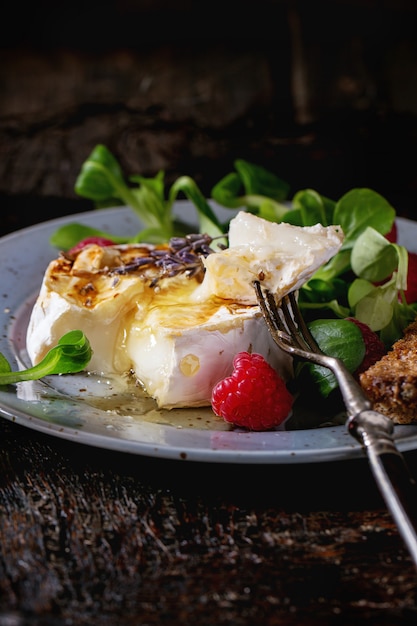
(95, 537)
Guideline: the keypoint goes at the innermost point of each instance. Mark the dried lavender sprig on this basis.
(184, 255)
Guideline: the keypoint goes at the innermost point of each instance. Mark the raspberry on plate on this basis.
(254, 396)
(411, 291)
(99, 241)
(374, 347)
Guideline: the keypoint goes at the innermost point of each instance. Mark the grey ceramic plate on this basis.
(97, 412)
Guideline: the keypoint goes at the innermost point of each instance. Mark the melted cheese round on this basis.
(177, 334)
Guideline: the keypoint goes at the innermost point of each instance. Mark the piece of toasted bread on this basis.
(391, 383)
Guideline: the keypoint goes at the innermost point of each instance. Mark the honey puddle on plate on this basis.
(127, 399)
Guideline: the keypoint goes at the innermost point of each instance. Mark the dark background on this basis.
(322, 93)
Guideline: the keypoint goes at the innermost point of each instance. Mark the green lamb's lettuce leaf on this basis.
(357, 210)
(365, 279)
(373, 257)
(252, 186)
(101, 180)
(374, 296)
(338, 338)
(207, 220)
(68, 235)
(309, 208)
(4, 365)
(376, 307)
(71, 355)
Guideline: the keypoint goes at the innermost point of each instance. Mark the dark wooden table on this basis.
(89, 536)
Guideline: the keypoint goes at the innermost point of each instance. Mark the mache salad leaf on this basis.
(101, 180)
(71, 355)
(366, 279)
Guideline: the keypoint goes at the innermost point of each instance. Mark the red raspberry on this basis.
(411, 291)
(254, 396)
(393, 233)
(374, 347)
(99, 241)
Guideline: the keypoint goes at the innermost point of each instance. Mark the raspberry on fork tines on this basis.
(255, 396)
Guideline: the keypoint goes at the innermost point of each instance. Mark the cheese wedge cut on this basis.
(177, 332)
(281, 256)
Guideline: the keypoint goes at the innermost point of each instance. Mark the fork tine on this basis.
(291, 334)
(270, 313)
(301, 326)
(288, 329)
(282, 327)
(295, 323)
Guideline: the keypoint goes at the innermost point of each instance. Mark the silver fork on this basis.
(373, 430)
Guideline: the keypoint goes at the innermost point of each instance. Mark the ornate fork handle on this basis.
(373, 430)
(397, 486)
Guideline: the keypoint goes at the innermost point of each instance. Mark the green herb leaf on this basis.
(310, 208)
(373, 256)
(101, 178)
(208, 221)
(360, 208)
(338, 338)
(355, 212)
(254, 187)
(69, 235)
(344, 286)
(71, 355)
(376, 308)
(4, 365)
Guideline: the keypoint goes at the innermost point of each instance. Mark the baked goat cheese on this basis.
(176, 323)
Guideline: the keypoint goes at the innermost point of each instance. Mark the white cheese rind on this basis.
(179, 367)
(53, 316)
(177, 349)
(57, 310)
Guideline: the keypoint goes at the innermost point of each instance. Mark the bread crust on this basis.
(391, 383)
